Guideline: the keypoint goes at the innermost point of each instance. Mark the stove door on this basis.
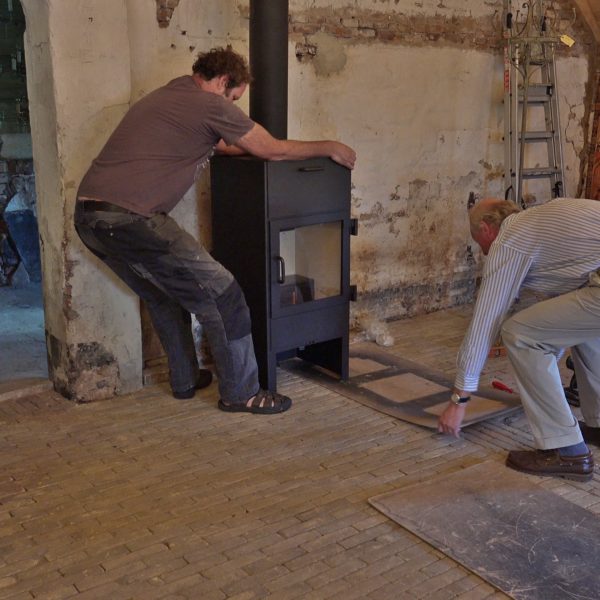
(307, 263)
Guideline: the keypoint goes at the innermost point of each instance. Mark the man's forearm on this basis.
(298, 150)
(259, 142)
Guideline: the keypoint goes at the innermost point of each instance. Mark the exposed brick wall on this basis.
(365, 25)
(164, 11)
(420, 30)
(593, 178)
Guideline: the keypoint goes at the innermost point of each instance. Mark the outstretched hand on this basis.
(451, 419)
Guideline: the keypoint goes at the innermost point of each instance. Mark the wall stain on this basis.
(427, 252)
(401, 301)
(492, 172)
(70, 313)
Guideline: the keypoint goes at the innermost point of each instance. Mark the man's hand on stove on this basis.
(344, 155)
(259, 142)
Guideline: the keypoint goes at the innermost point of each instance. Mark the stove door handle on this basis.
(281, 269)
(310, 169)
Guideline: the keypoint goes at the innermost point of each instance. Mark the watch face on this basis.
(458, 400)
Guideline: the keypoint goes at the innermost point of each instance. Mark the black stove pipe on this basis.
(269, 65)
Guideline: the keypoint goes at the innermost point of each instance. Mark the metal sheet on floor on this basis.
(405, 389)
(527, 541)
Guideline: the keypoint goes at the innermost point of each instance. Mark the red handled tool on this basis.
(501, 386)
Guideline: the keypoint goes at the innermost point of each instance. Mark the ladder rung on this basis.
(540, 172)
(530, 84)
(536, 98)
(541, 88)
(538, 93)
(537, 136)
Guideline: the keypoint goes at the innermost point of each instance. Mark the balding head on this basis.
(486, 217)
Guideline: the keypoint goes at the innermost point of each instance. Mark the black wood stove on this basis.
(283, 227)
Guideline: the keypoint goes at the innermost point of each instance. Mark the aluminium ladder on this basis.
(530, 85)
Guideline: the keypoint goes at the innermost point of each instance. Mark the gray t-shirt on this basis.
(165, 139)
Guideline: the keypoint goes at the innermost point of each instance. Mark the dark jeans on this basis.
(23, 229)
(176, 276)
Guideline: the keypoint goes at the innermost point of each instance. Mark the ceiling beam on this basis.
(592, 18)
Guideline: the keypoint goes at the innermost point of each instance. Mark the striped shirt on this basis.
(552, 248)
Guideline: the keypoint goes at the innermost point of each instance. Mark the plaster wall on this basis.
(417, 89)
(423, 137)
(428, 127)
(92, 323)
(414, 85)
(87, 61)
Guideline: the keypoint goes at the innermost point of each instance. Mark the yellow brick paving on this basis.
(146, 497)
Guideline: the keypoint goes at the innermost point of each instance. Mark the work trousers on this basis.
(176, 276)
(533, 339)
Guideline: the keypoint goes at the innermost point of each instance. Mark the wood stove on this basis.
(283, 230)
(283, 227)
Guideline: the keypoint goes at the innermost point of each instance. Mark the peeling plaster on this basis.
(368, 26)
(330, 56)
(83, 372)
(164, 11)
(449, 25)
(406, 300)
(425, 223)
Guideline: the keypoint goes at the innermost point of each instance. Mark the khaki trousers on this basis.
(533, 339)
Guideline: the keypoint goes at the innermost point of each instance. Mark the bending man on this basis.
(553, 248)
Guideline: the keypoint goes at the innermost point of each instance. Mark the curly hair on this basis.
(492, 212)
(223, 61)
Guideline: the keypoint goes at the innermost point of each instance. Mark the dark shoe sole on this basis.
(256, 410)
(204, 380)
(561, 474)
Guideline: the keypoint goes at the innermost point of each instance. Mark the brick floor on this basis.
(146, 497)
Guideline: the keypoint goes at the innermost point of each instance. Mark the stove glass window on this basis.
(311, 263)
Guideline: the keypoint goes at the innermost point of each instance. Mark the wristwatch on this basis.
(459, 399)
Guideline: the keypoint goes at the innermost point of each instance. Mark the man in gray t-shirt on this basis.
(148, 163)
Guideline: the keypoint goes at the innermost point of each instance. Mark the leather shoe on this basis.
(591, 435)
(204, 379)
(551, 464)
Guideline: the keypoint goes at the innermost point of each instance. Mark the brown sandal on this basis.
(264, 403)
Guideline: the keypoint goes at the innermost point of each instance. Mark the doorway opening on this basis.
(22, 337)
